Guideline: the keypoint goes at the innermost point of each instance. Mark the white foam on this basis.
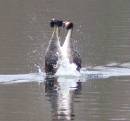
(67, 69)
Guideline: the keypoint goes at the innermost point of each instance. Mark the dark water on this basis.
(102, 31)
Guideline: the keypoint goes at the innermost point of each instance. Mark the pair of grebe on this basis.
(53, 52)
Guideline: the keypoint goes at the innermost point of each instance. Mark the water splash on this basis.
(67, 69)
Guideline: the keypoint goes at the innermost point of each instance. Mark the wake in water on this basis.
(98, 72)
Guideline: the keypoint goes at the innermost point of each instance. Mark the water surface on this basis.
(102, 31)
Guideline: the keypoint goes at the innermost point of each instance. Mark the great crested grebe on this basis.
(72, 53)
(53, 50)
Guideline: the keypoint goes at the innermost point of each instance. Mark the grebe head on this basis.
(56, 23)
(68, 25)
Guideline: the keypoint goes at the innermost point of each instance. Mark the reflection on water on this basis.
(60, 92)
